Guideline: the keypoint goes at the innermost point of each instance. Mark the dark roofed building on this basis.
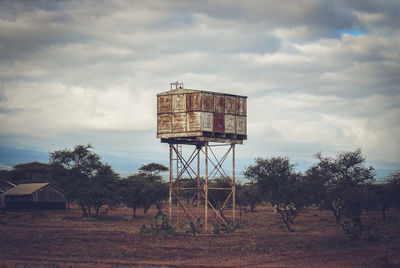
(4, 187)
(35, 196)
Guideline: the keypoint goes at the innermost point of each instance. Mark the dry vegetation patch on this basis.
(64, 239)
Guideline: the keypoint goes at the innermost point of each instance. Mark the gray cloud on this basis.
(89, 69)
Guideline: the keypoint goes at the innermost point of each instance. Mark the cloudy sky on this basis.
(320, 76)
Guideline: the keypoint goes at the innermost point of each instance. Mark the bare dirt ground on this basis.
(64, 239)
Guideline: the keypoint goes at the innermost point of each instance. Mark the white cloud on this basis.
(294, 33)
(50, 109)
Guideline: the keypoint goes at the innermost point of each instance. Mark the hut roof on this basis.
(6, 185)
(26, 188)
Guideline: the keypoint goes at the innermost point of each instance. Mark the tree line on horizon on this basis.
(344, 185)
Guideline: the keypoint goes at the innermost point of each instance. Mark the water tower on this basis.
(205, 120)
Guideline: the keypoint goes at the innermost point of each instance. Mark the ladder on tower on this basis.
(178, 182)
(179, 162)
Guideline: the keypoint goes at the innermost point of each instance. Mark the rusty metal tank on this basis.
(198, 115)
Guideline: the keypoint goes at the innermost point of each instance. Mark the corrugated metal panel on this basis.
(165, 104)
(241, 125)
(219, 101)
(230, 124)
(208, 122)
(49, 194)
(242, 105)
(5, 186)
(179, 103)
(191, 113)
(164, 122)
(25, 189)
(193, 102)
(178, 91)
(230, 104)
(207, 102)
(179, 122)
(193, 121)
(219, 123)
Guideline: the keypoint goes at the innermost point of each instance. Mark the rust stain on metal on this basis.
(196, 114)
(219, 123)
(164, 123)
(179, 103)
(230, 104)
(208, 122)
(179, 122)
(195, 117)
(208, 102)
(193, 121)
(165, 104)
(219, 101)
(193, 102)
(230, 125)
(242, 106)
(241, 125)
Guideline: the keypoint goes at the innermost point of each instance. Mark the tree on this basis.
(155, 193)
(380, 195)
(152, 171)
(28, 173)
(393, 182)
(344, 193)
(279, 184)
(387, 193)
(144, 189)
(103, 189)
(84, 178)
(187, 195)
(157, 190)
(248, 195)
(132, 192)
(218, 198)
(314, 185)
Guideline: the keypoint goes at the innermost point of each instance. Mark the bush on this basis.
(195, 227)
(351, 230)
(228, 228)
(217, 228)
(161, 226)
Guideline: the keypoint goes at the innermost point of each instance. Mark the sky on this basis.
(320, 76)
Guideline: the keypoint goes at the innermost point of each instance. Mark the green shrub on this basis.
(228, 228)
(217, 228)
(161, 226)
(351, 230)
(195, 227)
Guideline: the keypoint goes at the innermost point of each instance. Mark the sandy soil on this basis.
(64, 239)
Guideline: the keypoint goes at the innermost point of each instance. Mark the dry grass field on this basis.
(64, 239)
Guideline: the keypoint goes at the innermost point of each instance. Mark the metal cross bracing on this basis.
(195, 192)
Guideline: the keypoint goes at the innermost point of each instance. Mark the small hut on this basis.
(35, 196)
(4, 187)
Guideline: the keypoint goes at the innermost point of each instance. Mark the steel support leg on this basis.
(233, 185)
(170, 183)
(206, 189)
